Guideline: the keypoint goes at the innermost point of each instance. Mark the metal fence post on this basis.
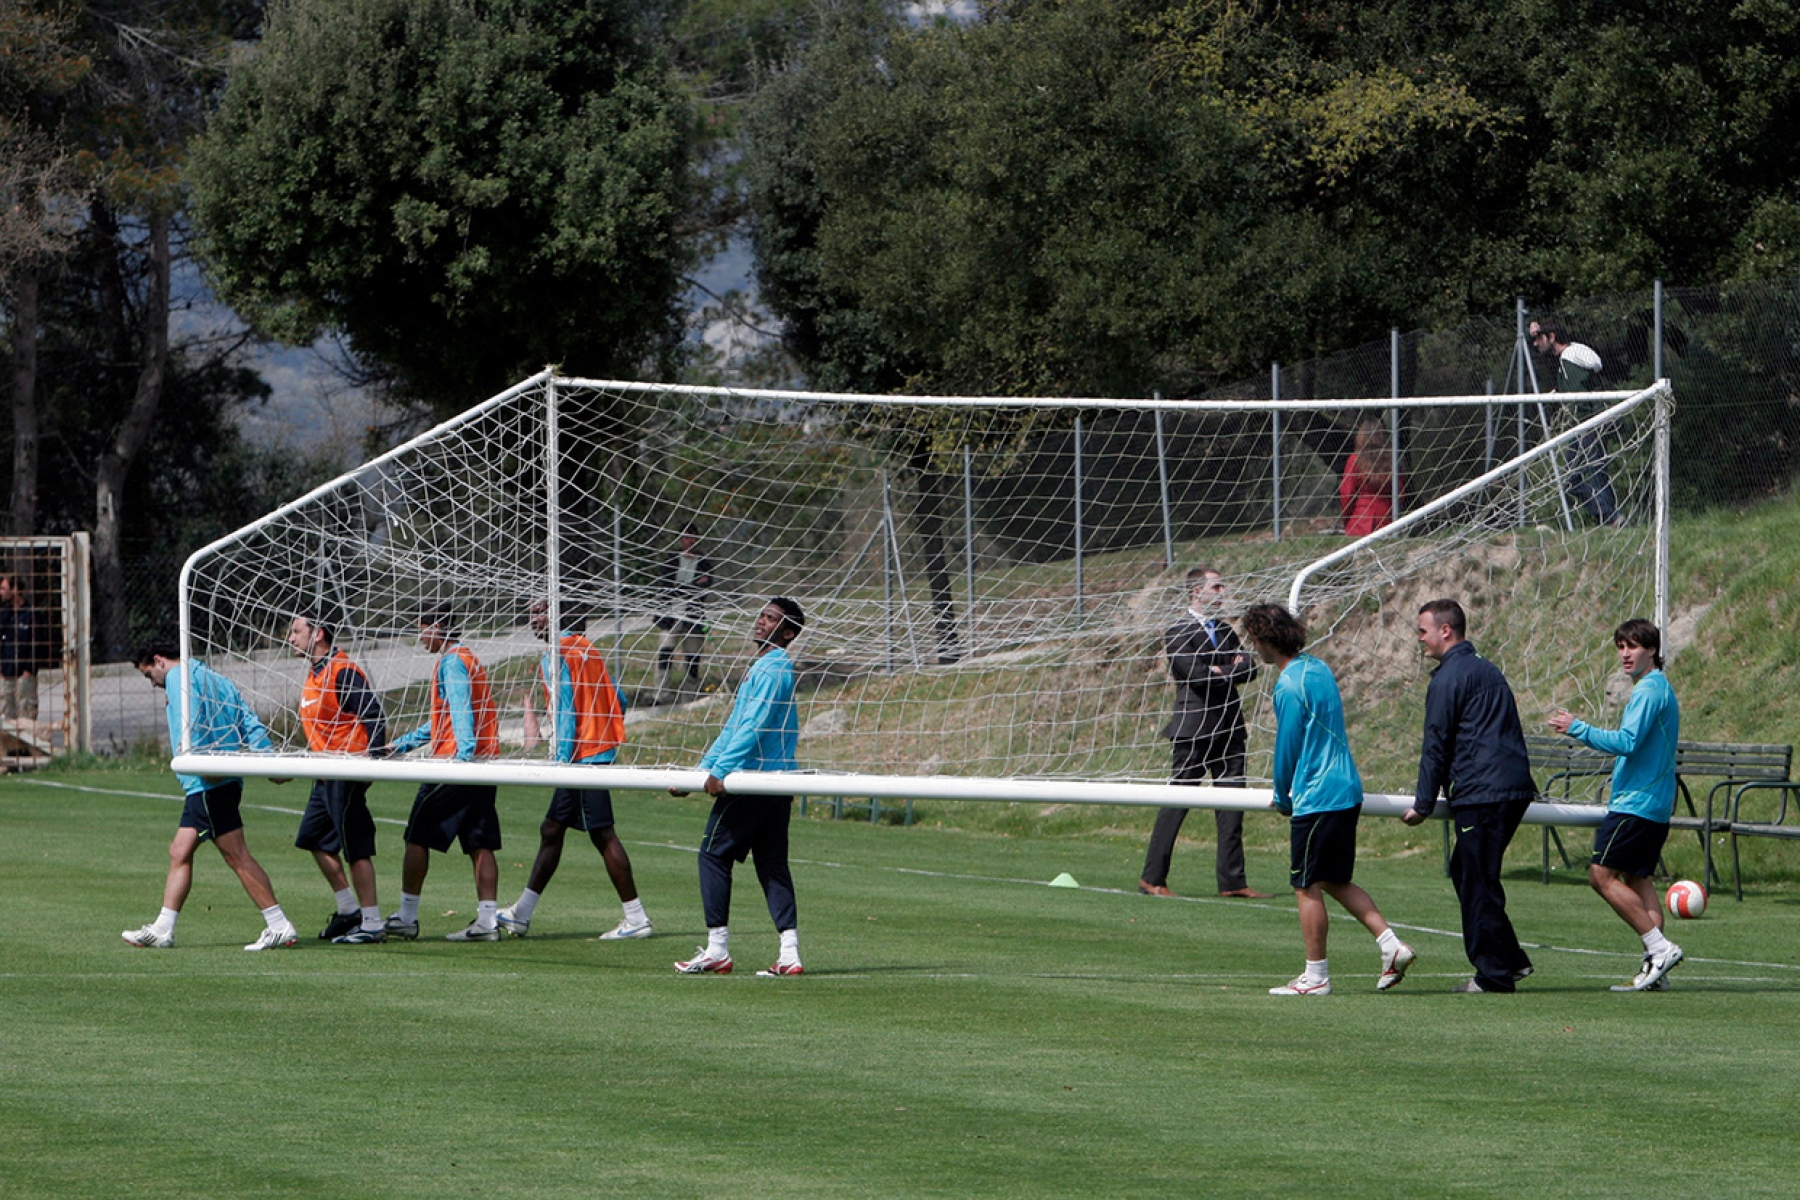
(969, 538)
(1162, 483)
(1080, 579)
(552, 559)
(1394, 422)
(1656, 344)
(1275, 443)
(618, 566)
(887, 569)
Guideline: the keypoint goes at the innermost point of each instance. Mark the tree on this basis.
(1018, 206)
(159, 66)
(1117, 195)
(465, 190)
(1666, 145)
(40, 63)
(192, 477)
(120, 88)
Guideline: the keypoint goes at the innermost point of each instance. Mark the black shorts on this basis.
(214, 811)
(1323, 847)
(447, 812)
(739, 824)
(337, 820)
(1629, 844)
(587, 809)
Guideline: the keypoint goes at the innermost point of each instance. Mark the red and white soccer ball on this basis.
(1686, 899)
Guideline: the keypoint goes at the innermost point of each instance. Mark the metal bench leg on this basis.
(1737, 867)
(1707, 878)
(1550, 835)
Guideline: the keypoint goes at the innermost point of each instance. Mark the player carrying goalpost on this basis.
(590, 726)
(760, 735)
(1318, 786)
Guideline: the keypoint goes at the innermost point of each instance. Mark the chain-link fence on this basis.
(1732, 353)
(126, 711)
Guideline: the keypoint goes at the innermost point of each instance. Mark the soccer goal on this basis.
(45, 670)
(987, 581)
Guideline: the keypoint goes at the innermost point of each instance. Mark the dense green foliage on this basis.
(467, 191)
(1108, 196)
(100, 98)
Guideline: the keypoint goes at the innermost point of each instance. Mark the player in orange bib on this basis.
(341, 714)
(464, 726)
(590, 725)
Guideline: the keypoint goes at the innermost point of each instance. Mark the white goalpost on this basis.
(986, 580)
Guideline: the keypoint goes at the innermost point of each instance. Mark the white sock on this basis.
(165, 921)
(346, 901)
(409, 908)
(718, 941)
(484, 913)
(790, 945)
(274, 917)
(527, 904)
(1655, 942)
(1388, 940)
(635, 914)
(371, 918)
(1319, 971)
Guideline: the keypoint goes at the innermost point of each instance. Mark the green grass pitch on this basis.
(962, 1029)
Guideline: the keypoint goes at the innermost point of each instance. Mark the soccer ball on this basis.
(1686, 899)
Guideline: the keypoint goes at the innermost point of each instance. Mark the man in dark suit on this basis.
(1208, 664)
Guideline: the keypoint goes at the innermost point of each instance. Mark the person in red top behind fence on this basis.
(1366, 491)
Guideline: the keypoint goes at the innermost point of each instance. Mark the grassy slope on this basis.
(1735, 580)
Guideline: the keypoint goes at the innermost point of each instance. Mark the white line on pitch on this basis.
(1234, 902)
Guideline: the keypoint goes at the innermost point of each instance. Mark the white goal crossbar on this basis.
(811, 783)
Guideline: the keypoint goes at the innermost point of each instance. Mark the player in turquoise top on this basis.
(760, 735)
(223, 724)
(1630, 838)
(1314, 771)
(1318, 787)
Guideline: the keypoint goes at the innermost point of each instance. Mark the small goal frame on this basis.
(58, 567)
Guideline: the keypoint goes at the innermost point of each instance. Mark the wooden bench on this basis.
(1734, 767)
(1571, 772)
(1568, 773)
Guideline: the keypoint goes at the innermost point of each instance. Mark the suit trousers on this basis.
(1482, 834)
(1195, 759)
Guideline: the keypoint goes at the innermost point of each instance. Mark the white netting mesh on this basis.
(986, 582)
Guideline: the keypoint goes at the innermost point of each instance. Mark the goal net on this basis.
(987, 582)
(46, 704)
